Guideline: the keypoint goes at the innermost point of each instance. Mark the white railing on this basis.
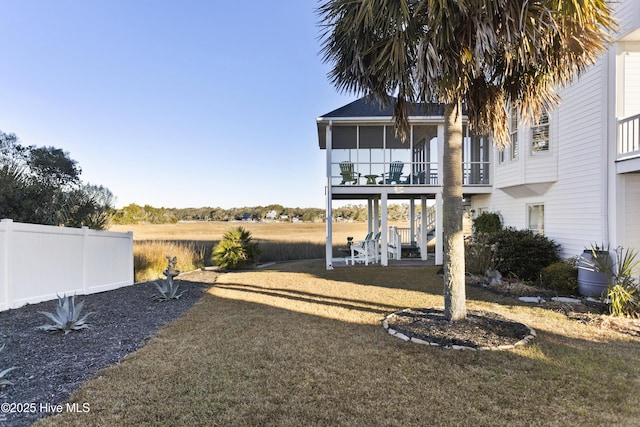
(629, 137)
(404, 233)
(425, 174)
(376, 173)
(475, 173)
(39, 261)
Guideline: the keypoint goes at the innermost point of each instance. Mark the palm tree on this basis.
(484, 54)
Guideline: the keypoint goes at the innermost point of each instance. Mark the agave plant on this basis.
(67, 317)
(168, 288)
(4, 381)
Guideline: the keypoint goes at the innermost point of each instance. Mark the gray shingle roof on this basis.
(366, 107)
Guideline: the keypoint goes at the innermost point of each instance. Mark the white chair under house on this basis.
(363, 250)
(394, 246)
(376, 247)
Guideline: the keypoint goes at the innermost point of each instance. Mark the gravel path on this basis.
(51, 366)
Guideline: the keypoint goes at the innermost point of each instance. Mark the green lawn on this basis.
(297, 345)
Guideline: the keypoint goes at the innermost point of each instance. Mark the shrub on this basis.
(561, 276)
(480, 254)
(524, 253)
(236, 250)
(487, 222)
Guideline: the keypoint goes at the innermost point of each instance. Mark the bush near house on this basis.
(561, 276)
(487, 222)
(523, 253)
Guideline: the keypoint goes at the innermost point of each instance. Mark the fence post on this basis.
(85, 258)
(6, 225)
(131, 265)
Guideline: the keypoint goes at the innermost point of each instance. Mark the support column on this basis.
(440, 153)
(329, 212)
(369, 215)
(384, 241)
(423, 228)
(439, 230)
(412, 219)
(376, 215)
(439, 220)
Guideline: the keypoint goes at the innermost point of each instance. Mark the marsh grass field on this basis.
(261, 231)
(192, 242)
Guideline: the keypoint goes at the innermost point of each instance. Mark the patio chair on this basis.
(348, 173)
(364, 250)
(414, 178)
(395, 171)
(394, 246)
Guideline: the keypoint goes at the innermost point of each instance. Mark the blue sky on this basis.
(172, 103)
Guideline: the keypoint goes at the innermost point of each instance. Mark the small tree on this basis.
(236, 250)
(42, 185)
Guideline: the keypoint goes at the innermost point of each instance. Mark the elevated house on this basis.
(574, 176)
(366, 161)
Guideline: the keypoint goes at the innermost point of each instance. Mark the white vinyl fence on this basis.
(39, 261)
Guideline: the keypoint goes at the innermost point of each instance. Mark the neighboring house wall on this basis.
(571, 171)
(585, 201)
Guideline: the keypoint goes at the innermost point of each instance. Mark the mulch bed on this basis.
(480, 329)
(586, 311)
(51, 366)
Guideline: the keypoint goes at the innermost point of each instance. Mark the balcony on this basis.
(397, 173)
(628, 158)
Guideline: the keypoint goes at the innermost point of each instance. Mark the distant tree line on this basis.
(135, 214)
(41, 185)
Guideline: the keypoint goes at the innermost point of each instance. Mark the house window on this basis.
(501, 156)
(535, 216)
(513, 129)
(540, 135)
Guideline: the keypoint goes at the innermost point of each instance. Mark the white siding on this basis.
(631, 236)
(575, 163)
(574, 206)
(631, 79)
(628, 14)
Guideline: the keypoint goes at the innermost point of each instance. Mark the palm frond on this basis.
(489, 54)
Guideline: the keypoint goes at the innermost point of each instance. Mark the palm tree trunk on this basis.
(454, 281)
